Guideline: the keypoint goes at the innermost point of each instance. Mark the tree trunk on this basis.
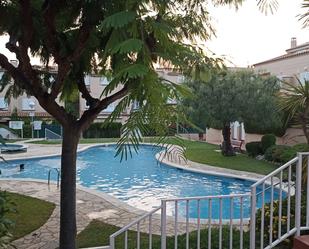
(68, 188)
(227, 148)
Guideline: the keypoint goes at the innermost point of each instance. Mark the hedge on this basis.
(99, 130)
(254, 148)
(267, 141)
(301, 147)
(280, 153)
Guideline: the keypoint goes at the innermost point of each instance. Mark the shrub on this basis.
(99, 130)
(267, 141)
(287, 243)
(280, 153)
(6, 206)
(301, 147)
(254, 148)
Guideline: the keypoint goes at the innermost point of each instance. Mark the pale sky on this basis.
(248, 36)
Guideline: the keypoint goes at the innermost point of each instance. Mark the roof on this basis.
(24, 114)
(300, 50)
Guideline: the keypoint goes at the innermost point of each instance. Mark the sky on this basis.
(248, 36)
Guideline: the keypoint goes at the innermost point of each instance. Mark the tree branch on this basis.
(16, 73)
(91, 102)
(89, 115)
(49, 14)
(43, 97)
(27, 23)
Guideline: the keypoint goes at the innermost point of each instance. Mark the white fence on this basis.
(49, 134)
(270, 213)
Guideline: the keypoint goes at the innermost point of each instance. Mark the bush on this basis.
(99, 130)
(301, 147)
(277, 129)
(287, 243)
(254, 149)
(267, 141)
(280, 153)
(6, 206)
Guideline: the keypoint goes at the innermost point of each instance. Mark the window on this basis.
(28, 104)
(171, 101)
(87, 80)
(1, 74)
(110, 108)
(135, 105)
(3, 103)
(104, 81)
(180, 79)
(304, 77)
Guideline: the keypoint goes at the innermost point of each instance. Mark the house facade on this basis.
(289, 66)
(25, 106)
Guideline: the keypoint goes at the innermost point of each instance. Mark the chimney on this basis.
(293, 42)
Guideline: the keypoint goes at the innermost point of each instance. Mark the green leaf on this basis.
(119, 19)
(128, 46)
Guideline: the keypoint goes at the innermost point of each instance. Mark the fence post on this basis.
(111, 243)
(163, 224)
(298, 193)
(252, 217)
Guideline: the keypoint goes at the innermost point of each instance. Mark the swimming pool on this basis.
(140, 181)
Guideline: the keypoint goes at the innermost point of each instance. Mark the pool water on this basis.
(141, 181)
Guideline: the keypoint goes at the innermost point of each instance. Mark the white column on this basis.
(242, 132)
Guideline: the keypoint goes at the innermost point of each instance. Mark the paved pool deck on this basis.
(90, 205)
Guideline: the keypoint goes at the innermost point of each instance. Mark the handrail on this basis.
(208, 197)
(52, 132)
(58, 176)
(135, 222)
(275, 172)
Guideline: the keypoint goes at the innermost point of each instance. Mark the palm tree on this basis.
(294, 100)
(305, 15)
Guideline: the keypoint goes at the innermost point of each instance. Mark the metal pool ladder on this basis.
(58, 176)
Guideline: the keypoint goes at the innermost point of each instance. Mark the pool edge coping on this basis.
(238, 174)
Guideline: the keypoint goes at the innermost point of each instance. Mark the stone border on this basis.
(209, 169)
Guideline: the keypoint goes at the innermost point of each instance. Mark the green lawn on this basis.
(200, 152)
(31, 213)
(97, 234)
(205, 153)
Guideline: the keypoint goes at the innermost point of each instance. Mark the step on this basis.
(301, 242)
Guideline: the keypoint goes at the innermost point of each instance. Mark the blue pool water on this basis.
(141, 181)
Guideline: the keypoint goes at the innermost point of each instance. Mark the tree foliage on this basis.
(234, 96)
(294, 100)
(6, 206)
(121, 39)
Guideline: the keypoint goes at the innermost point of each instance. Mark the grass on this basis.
(97, 234)
(205, 153)
(200, 152)
(31, 213)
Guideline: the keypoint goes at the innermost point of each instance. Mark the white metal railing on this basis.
(209, 214)
(136, 225)
(49, 134)
(280, 193)
(288, 181)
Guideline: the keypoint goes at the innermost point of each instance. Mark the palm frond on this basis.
(268, 6)
(305, 16)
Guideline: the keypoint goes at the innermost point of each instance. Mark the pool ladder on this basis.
(58, 176)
